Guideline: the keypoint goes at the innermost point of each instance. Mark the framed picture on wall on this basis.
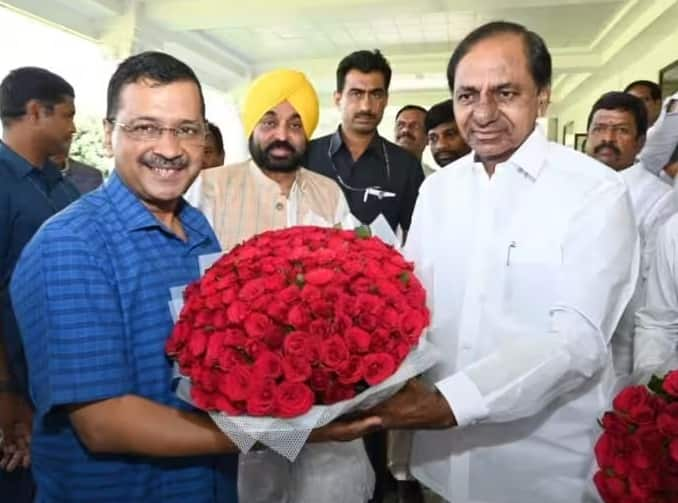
(668, 79)
(580, 141)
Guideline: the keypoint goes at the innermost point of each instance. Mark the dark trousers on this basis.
(17, 486)
(375, 445)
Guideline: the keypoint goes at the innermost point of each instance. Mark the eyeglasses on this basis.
(148, 131)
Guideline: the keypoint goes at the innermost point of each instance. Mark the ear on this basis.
(544, 100)
(108, 138)
(641, 142)
(33, 110)
(337, 98)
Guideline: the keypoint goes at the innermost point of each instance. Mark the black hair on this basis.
(411, 107)
(655, 90)
(439, 114)
(616, 100)
(31, 83)
(216, 134)
(365, 62)
(538, 56)
(155, 66)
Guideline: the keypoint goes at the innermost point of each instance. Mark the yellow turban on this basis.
(271, 89)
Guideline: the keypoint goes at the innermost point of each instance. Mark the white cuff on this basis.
(464, 398)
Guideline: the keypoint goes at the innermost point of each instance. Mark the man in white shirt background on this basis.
(650, 94)
(529, 253)
(617, 127)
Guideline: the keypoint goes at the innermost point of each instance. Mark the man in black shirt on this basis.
(377, 176)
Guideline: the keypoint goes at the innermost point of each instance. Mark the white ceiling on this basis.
(229, 41)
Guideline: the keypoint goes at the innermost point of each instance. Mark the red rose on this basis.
(229, 296)
(319, 328)
(613, 423)
(609, 488)
(203, 318)
(293, 399)
(229, 358)
(368, 321)
(412, 324)
(262, 398)
(267, 365)
(391, 318)
(295, 344)
(379, 341)
(237, 312)
(208, 287)
(319, 277)
(673, 450)
(631, 396)
(236, 383)
(378, 367)
(203, 399)
(178, 339)
(227, 280)
(353, 372)
(319, 380)
(649, 447)
(296, 368)
(220, 319)
(361, 285)
(224, 405)
(299, 317)
(213, 302)
(321, 308)
(261, 303)
(252, 289)
(290, 294)
(198, 342)
(311, 293)
(234, 337)
(366, 303)
(670, 384)
(257, 325)
(274, 338)
(275, 283)
(667, 421)
(337, 392)
(214, 348)
(358, 340)
(333, 352)
(643, 484)
(277, 310)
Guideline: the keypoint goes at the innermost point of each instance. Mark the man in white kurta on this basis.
(529, 253)
(617, 127)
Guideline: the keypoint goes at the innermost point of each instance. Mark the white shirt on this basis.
(657, 322)
(528, 273)
(661, 140)
(653, 204)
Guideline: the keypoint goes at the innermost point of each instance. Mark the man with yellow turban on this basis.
(273, 191)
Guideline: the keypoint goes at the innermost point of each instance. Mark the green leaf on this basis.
(404, 277)
(363, 232)
(655, 385)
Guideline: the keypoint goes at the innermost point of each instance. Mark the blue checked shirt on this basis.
(91, 293)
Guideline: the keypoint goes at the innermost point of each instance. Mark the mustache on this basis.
(609, 145)
(405, 135)
(280, 144)
(153, 160)
(366, 115)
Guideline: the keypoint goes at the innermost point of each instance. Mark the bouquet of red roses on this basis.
(637, 453)
(295, 327)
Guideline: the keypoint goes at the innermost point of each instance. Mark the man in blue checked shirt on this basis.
(91, 294)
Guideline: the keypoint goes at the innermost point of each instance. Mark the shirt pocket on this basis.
(532, 275)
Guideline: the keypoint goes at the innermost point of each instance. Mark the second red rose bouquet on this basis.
(637, 453)
(297, 318)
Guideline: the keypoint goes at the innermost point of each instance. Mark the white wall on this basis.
(654, 49)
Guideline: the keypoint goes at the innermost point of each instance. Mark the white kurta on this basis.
(529, 272)
(656, 338)
(653, 204)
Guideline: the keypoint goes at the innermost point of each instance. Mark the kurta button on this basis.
(279, 206)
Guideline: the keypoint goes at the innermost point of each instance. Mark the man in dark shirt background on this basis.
(377, 176)
(36, 109)
(84, 177)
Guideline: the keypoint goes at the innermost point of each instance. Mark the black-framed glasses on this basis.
(150, 131)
